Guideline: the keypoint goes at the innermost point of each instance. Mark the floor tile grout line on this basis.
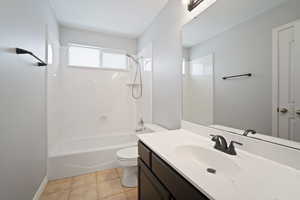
(69, 195)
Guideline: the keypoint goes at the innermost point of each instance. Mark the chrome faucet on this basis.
(249, 131)
(221, 145)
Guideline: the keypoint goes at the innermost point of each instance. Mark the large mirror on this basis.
(241, 68)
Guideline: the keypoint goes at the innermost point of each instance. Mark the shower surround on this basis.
(91, 115)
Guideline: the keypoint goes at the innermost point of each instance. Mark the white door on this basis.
(286, 79)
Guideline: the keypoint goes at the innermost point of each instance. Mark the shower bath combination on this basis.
(136, 82)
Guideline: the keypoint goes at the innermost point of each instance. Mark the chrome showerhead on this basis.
(130, 56)
(135, 59)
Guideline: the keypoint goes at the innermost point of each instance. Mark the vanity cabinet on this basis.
(150, 188)
(159, 181)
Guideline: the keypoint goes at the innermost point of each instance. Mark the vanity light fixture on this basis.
(193, 4)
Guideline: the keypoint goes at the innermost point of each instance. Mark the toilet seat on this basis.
(128, 154)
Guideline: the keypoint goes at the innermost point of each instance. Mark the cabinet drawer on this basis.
(176, 184)
(150, 188)
(144, 153)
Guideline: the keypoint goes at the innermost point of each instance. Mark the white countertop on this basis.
(251, 178)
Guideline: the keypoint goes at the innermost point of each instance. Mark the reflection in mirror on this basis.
(256, 42)
(198, 90)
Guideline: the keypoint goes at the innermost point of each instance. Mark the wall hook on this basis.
(23, 51)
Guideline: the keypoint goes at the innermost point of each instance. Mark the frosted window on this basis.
(84, 56)
(50, 54)
(114, 60)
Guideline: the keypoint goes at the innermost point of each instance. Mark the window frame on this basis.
(101, 50)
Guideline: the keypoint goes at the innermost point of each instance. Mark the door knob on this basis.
(298, 112)
(283, 110)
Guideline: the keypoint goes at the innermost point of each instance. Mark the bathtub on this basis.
(80, 156)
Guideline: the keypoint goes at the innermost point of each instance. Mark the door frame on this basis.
(275, 75)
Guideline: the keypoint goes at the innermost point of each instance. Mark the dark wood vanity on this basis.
(159, 181)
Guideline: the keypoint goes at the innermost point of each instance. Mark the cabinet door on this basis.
(179, 187)
(144, 154)
(149, 187)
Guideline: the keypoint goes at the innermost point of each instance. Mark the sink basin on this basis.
(209, 158)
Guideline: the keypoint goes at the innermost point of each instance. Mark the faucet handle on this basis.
(231, 149)
(214, 138)
(247, 131)
(220, 142)
(234, 142)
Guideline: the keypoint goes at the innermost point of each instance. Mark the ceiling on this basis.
(127, 18)
(221, 16)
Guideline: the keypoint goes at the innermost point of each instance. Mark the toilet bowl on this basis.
(127, 158)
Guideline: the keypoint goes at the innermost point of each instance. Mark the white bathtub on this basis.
(81, 156)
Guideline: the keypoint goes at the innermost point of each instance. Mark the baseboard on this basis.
(41, 189)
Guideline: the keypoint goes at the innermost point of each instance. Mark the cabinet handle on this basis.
(298, 112)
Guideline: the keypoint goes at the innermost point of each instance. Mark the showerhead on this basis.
(133, 58)
(130, 56)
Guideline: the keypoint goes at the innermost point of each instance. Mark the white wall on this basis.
(247, 48)
(165, 36)
(89, 102)
(23, 138)
(54, 92)
(94, 101)
(54, 117)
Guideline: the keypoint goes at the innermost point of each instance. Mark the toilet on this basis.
(127, 158)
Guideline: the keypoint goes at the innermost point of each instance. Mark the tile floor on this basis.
(102, 185)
